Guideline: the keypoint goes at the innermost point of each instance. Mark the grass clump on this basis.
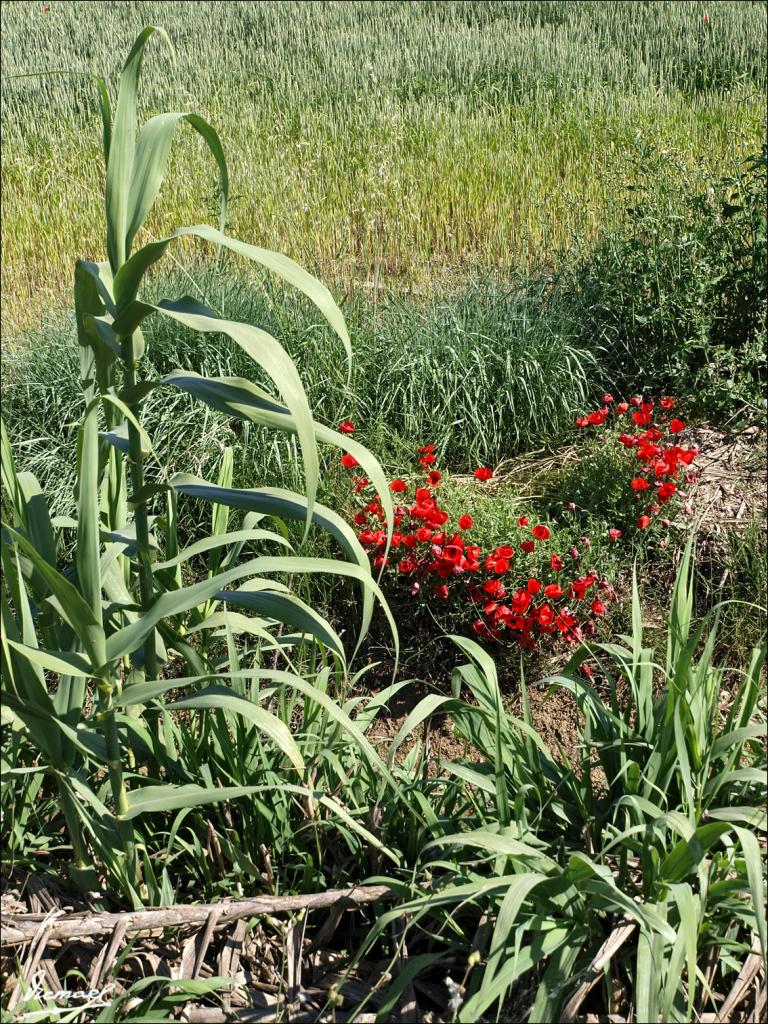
(457, 372)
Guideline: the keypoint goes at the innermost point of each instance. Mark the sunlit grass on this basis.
(387, 144)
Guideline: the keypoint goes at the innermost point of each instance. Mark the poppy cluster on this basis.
(651, 441)
(523, 591)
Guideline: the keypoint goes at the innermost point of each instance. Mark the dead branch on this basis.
(19, 929)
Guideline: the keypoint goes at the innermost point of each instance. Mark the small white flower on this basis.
(455, 995)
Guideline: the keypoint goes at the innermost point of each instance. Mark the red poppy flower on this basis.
(566, 623)
(495, 564)
(556, 563)
(597, 419)
(409, 540)
(427, 460)
(426, 449)
(347, 427)
(614, 534)
(641, 418)
(667, 403)
(494, 587)
(639, 484)
(636, 400)
(666, 491)
(541, 532)
(642, 522)
(465, 522)
(581, 421)
(441, 591)
(348, 461)
(527, 546)
(482, 630)
(423, 533)
(675, 426)
(398, 486)
(533, 586)
(434, 478)
(621, 408)
(598, 608)
(522, 521)
(553, 591)
(361, 518)
(607, 399)
(505, 551)
(483, 473)
(545, 615)
(520, 602)
(407, 565)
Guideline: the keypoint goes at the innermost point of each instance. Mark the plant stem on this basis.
(146, 586)
(79, 847)
(106, 718)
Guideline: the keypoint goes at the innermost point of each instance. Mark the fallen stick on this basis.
(18, 929)
(612, 944)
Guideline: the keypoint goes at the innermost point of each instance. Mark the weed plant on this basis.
(516, 864)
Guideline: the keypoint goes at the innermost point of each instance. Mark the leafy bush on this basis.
(628, 464)
(678, 297)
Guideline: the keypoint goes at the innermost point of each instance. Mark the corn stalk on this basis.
(109, 622)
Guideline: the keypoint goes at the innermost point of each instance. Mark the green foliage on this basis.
(458, 372)
(645, 836)
(84, 639)
(678, 296)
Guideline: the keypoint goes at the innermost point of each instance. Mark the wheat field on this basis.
(385, 143)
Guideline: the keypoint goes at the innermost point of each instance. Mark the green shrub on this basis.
(678, 296)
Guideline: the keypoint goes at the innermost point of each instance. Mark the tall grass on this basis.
(379, 141)
(457, 372)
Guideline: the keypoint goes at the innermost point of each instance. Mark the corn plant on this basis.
(84, 641)
(641, 861)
